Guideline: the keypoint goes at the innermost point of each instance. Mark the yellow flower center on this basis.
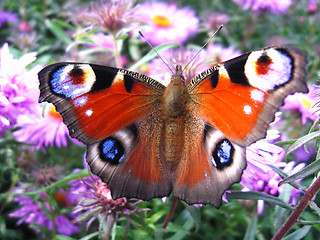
(161, 21)
(52, 113)
(306, 102)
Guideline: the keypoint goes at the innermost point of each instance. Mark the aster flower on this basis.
(258, 176)
(173, 57)
(216, 53)
(115, 16)
(102, 40)
(18, 87)
(304, 103)
(165, 23)
(213, 20)
(207, 58)
(97, 202)
(258, 6)
(42, 131)
(7, 17)
(31, 213)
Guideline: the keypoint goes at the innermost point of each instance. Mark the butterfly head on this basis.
(178, 76)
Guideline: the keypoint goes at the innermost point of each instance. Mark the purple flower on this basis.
(102, 40)
(207, 58)
(274, 6)
(213, 20)
(96, 203)
(216, 53)
(305, 103)
(7, 17)
(258, 176)
(165, 23)
(115, 16)
(19, 90)
(173, 57)
(42, 130)
(31, 213)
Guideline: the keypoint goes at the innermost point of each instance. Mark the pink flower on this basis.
(258, 176)
(42, 131)
(274, 6)
(165, 23)
(216, 53)
(114, 16)
(305, 103)
(102, 40)
(19, 90)
(97, 203)
(207, 58)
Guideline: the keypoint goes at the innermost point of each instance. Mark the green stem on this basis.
(53, 219)
(117, 53)
(293, 218)
(111, 219)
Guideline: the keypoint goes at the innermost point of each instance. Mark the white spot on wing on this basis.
(118, 77)
(257, 95)
(89, 112)
(247, 109)
(81, 101)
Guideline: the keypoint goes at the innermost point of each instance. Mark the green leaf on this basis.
(57, 30)
(141, 221)
(284, 175)
(152, 54)
(307, 171)
(258, 196)
(195, 213)
(90, 236)
(299, 234)
(72, 176)
(252, 229)
(64, 237)
(299, 142)
(314, 207)
(309, 222)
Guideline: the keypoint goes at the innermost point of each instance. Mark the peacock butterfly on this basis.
(146, 140)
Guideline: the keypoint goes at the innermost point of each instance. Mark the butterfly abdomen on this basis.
(174, 110)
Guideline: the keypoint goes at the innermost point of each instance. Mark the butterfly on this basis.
(147, 140)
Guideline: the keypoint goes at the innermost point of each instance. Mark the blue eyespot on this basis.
(112, 150)
(223, 154)
(68, 82)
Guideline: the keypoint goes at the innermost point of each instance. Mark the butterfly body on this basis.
(148, 140)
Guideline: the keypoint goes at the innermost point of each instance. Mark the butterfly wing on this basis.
(114, 112)
(97, 101)
(137, 167)
(233, 104)
(239, 97)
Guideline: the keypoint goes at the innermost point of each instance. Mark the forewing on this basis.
(239, 97)
(97, 101)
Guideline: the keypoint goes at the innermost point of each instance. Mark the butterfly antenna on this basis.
(212, 36)
(140, 33)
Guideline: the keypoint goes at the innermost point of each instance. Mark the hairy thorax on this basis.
(175, 113)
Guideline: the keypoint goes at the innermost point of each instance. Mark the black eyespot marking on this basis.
(214, 78)
(128, 83)
(111, 150)
(235, 69)
(76, 71)
(264, 58)
(222, 155)
(104, 77)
